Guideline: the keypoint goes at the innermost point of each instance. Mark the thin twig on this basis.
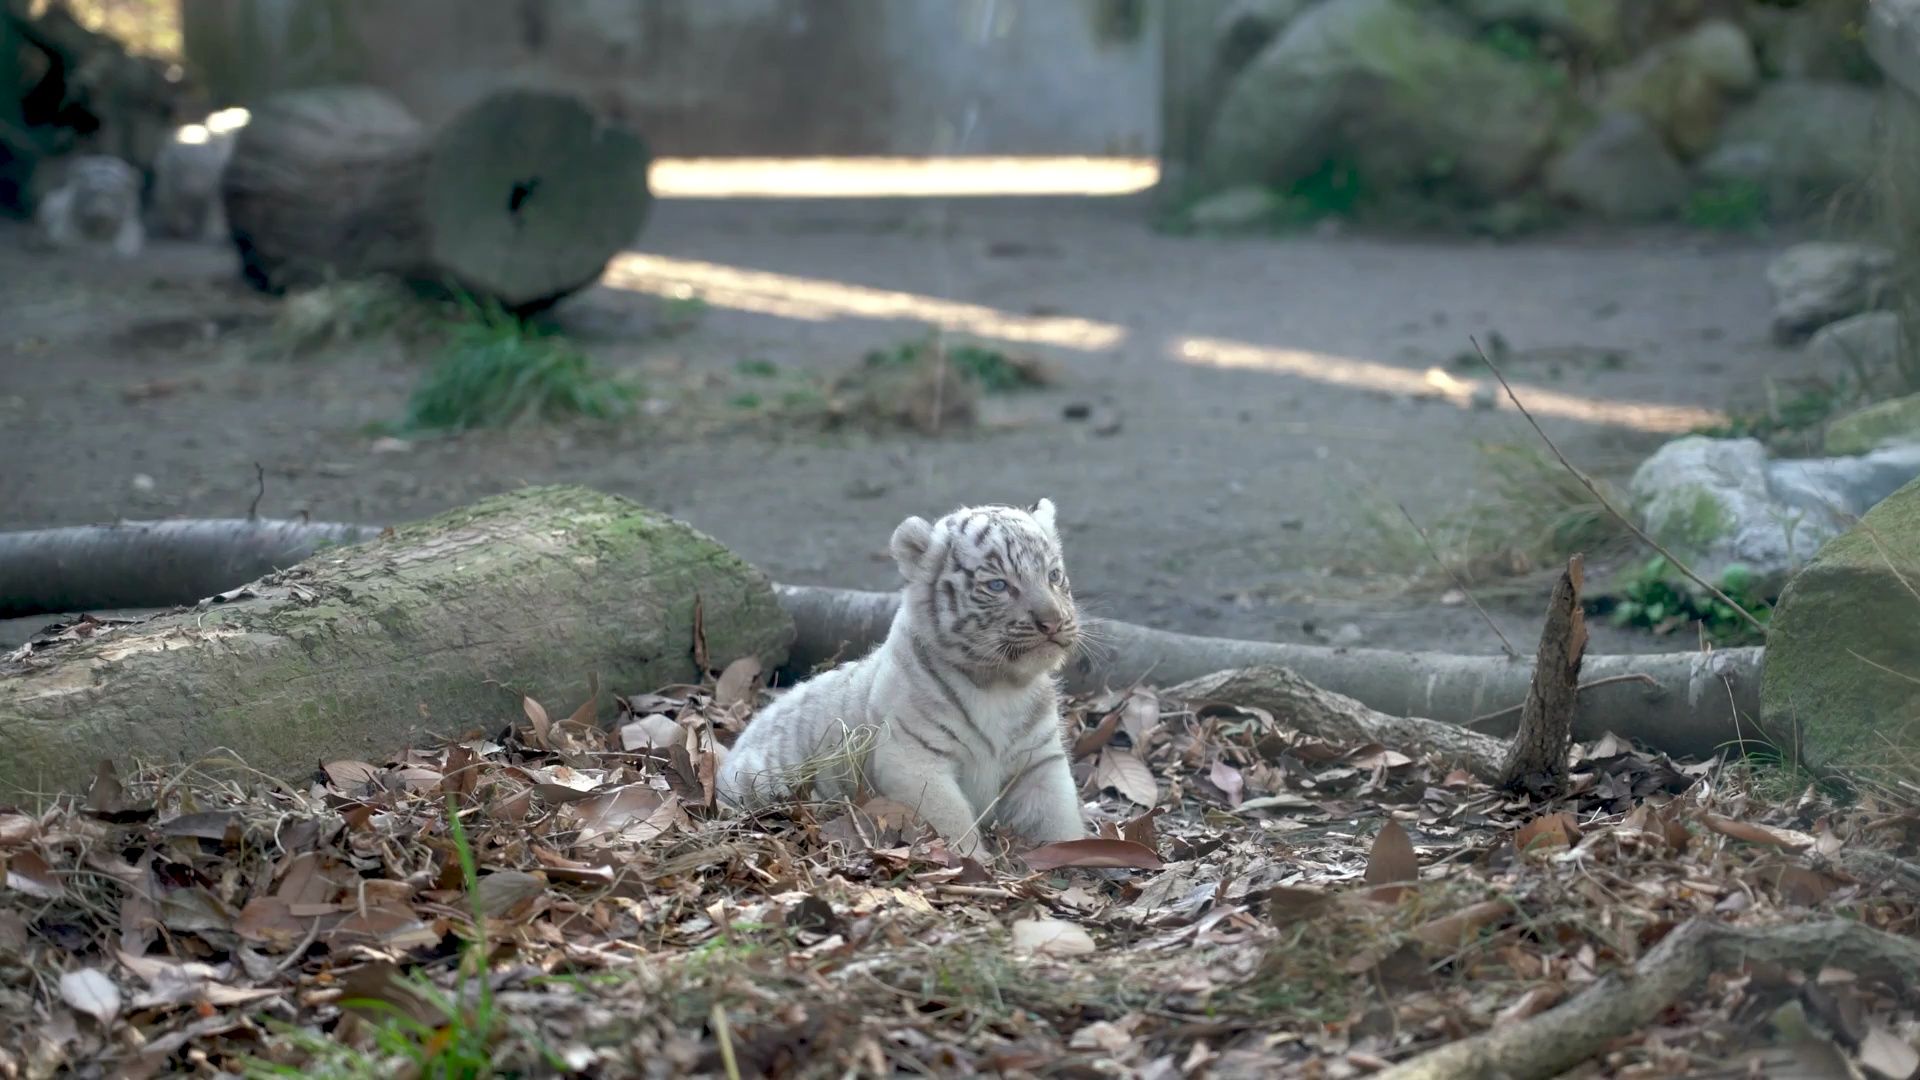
(724, 1036)
(260, 477)
(1605, 502)
(1636, 676)
(1457, 583)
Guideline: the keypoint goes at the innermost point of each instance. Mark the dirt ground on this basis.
(1267, 393)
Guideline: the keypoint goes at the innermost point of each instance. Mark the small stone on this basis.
(1347, 636)
(1248, 206)
(1076, 410)
(387, 444)
(142, 482)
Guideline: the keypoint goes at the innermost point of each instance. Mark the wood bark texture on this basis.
(1323, 714)
(1537, 757)
(436, 629)
(523, 198)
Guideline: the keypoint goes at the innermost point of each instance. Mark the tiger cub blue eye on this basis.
(1054, 575)
(997, 585)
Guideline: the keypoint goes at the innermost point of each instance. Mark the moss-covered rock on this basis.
(1800, 140)
(1843, 656)
(435, 629)
(1877, 425)
(1683, 86)
(1399, 94)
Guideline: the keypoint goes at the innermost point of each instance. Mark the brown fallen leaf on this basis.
(1127, 774)
(1092, 852)
(1452, 931)
(1289, 904)
(1140, 829)
(542, 735)
(268, 921)
(499, 893)
(1755, 834)
(220, 826)
(1091, 742)
(107, 798)
(17, 829)
(1140, 717)
(1392, 861)
(28, 873)
(351, 777)
(738, 684)
(1548, 832)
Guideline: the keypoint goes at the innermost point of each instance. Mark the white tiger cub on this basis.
(93, 203)
(956, 713)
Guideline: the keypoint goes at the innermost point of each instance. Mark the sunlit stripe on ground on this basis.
(809, 299)
(901, 177)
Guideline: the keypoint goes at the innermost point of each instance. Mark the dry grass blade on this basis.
(1587, 482)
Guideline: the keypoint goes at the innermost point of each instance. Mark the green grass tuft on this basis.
(1727, 206)
(1653, 596)
(496, 370)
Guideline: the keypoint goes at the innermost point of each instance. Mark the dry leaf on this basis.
(1756, 834)
(1888, 1055)
(89, 991)
(1546, 833)
(497, 894)
(537, 716)
(1127, 774)
(1140, 716)
(1392, 861)
(1228, 780)
(1050, 937)
(1140, 829)
(1092, 852)
(738, 683)
(27, 872)
(351, 777)
(1092, 741)
(1452, 931)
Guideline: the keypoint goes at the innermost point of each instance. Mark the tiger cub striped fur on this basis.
(95, 203)
(956, 713)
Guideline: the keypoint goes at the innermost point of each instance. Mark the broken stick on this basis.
(1539, 748)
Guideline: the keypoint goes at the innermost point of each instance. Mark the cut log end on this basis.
(528, 194)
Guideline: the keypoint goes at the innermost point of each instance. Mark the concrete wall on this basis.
(725, 77)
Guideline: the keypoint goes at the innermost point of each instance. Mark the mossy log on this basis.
(436, 628)
(523, 197)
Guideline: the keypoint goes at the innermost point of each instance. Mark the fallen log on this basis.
(1621, 1003)
(1681, 703)
(143, 564)
(1339, 719)
(435, 629)
(523, 197)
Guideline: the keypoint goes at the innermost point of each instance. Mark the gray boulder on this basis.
(1719, 503)
(1619, 169)
(1395, 89)
(1818, 283)
(1871, 343)
(1881, 424)
(1801, 140)
(1893, 40)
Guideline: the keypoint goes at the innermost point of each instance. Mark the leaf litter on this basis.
(562, 898)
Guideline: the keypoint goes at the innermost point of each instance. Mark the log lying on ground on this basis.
(140, 564)
(1682, 703)
(436, 629)
(523, 197)
(1339, 719)
(1622, 1003)
(1685, 704)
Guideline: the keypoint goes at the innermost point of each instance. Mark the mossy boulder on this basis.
(1842, 670)
(1396, 93)
(1684, 85)
(1880, 424)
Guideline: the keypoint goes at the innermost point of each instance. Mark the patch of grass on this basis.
(497, 370)
(1792, 422)
(756, 368)
(1507, 40)
(993, 370)
(342, 313)
(1653, 596)
(1727, 206)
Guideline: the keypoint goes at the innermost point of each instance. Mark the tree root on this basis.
(1621, 1004)
(1323, 714)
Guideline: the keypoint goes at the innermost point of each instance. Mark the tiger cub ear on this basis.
(911, 539)
(1042, 512)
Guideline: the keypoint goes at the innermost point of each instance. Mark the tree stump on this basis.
(523, 197)
(434, 629)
